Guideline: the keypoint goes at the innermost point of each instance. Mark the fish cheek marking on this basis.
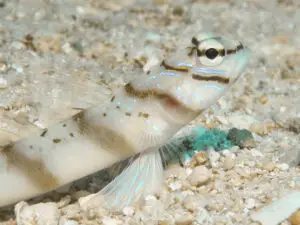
(34, 169)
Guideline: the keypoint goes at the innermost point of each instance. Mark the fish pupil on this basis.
(211, 53)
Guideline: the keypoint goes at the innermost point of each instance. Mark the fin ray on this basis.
(145, 173)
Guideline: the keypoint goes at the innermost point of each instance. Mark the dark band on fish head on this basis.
(215, 78)
(174, 68)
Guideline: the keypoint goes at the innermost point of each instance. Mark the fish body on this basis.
(140, 118)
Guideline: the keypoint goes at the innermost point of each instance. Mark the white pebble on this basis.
(17, 68)
(18, 45)
(226, 152)
(150, 197)
(128, 211)
(174, 186)
(283, 166)
(256, 153)
(229, 163)
(109, 221)
(67, 222)
(250, 203)
(202, 216)
(192, 202)
(42, 213)
(188, 171)
(3, 83)
(213, 157)
(185, 219)
(199, 176)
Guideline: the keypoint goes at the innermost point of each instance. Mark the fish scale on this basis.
(141, 117)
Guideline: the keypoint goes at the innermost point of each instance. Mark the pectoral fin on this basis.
(143, 176)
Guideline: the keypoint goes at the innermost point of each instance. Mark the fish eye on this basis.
(211, 52)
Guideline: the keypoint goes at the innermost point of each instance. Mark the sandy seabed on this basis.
(56, 57)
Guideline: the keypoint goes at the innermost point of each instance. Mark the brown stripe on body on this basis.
(34, 169)
(175, 68)
(219, 79)
(157, 94)
(106, 138)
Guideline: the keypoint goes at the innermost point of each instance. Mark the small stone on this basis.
(178, 11)
(176, 171)
(226, 152)
(294, 219)
(18, 45)
(175, 186)
(17, 68)
(64, 201)
(192, 202)
(128, 211)
(199, 176)
(202, 216)
(229, 163)
(69, 49)
(283, 166)
(3, 83)
(263, 128)
(241, 137)
(39, 15)
(263, 99)
(269, 166)
(71, 211)
(42, 213)
(250, 203)
(213, 157)
(49, 44)
(109, 221)
(293, 64)
(79, 194)
(163, 222)
(186, 219)
(242, 121)
(293, 125)
(63, 221)
(3, 67)
(198, 159)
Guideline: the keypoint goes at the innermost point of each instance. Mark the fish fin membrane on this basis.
(143, 176)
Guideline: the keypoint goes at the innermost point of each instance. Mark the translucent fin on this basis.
(144, 175)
